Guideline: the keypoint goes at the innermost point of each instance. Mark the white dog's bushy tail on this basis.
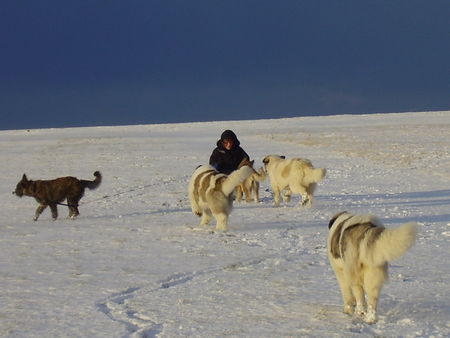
(393, 243)
(316, 175)
(236, 178)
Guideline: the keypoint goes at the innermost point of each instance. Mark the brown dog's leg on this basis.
(239, 193)
(73, 207)
(256, 190)
(247, 194)
(54, 210)
(39, 211)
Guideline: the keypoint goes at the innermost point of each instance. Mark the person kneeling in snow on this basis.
(228, 154)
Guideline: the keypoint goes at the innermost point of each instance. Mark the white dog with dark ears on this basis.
(293, 176)
(211, 193)
(359, 249)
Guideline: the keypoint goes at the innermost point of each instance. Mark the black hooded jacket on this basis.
(226, 161)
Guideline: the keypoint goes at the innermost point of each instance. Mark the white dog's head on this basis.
(270, 159)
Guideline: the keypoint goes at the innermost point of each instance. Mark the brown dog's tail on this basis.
(93, 184)
(260, 175)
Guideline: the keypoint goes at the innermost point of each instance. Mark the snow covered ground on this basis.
(135, 264)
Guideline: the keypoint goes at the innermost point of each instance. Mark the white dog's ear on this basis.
(283, 157)
(330, 224)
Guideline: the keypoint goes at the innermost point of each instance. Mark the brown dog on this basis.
(250, 186)
(53, 192)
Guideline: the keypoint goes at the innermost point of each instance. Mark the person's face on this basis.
(227, 144)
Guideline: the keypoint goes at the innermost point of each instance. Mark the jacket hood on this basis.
(228, 135)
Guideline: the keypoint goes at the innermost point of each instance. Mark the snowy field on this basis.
(135, 264)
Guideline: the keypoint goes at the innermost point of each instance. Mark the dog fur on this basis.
(53, 192)
(250, 187)
(359, 249)
(292, 176)
(211, 193)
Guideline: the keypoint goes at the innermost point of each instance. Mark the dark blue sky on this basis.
(112, 62)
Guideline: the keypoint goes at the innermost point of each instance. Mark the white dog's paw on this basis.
(287, 198)
(222, 228)
(360, 311)
(348, 309)
(307, 202)
(371, 316)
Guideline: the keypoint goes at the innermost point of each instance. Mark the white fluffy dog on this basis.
(294, 176)
(359, 249)
(211, 193)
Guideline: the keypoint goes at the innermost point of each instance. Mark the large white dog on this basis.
(211, 193)
(359, 249)
(294, 176)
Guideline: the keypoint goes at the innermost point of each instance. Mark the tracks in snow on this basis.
(117, 307)
(145, 310)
